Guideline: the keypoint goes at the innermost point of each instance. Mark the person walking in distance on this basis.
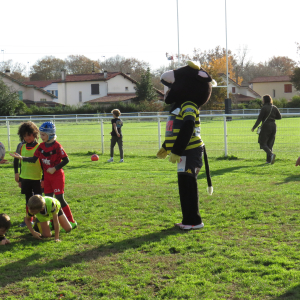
(116, 135)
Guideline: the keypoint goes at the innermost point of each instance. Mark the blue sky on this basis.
(146, 29)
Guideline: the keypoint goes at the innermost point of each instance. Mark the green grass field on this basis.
(126, 246)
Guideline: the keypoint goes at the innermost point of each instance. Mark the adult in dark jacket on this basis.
(268, 114)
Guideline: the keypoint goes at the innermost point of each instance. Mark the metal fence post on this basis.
(225, 136)
(102, 136)
(76, 120)
(159, 133)
(139, 114)
(8, 135)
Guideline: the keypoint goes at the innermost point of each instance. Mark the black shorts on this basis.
(191, 162)
(29, 186)
(60, 212)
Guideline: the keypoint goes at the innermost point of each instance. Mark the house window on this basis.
(233, 90)
(80, 96)
(53, 92)
(126, 88)
(95, 89)
(274, 94)
(287, 88)
(43, 99)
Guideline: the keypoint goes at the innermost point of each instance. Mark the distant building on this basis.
(28, 93)
(240, 93)
(275, 86)
(106, 87)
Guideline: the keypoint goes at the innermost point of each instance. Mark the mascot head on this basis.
(188, 83)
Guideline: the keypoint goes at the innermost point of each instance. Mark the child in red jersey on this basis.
(53, 159)
(30, 176)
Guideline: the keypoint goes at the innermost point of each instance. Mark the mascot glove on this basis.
(162, 153)
(174, 158)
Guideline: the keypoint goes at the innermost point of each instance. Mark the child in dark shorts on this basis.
(53, 158)
(30, 176)
(46, 209)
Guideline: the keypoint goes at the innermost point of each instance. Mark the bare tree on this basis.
(48, 67)
(118, 63)
(80, 64)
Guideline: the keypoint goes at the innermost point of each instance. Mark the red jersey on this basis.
(50, 156)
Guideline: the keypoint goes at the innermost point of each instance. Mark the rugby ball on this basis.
(2, 151)
(94, 157)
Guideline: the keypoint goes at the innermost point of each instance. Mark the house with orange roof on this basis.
(49, 85)
(106, 87)
(275, 86)
(28, 93)
(240, 93)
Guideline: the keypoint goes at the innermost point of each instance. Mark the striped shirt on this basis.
(187, 111)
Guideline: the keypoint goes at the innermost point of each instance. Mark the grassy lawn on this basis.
(126, 246)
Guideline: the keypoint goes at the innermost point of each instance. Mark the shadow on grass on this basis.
(292, 294)
(19, 270)
(221, 171)
(288, 179)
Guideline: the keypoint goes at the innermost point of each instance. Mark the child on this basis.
(4, 226)
(116, 135)
(53, 159)
(30, 176)
(46, 209)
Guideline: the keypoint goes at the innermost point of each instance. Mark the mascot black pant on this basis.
(189, 200)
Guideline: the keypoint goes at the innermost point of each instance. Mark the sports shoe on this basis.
(191, 227)
(23, 224)
(273, 158)
(178, 224)
(74, 225)
(110, 160)
(121, 160)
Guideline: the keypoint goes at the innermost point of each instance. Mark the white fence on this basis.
(144, 133)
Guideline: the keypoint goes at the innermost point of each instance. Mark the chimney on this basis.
(105, 74)
(128, 74)
(93, 71)
(63, 75)
(7, 72)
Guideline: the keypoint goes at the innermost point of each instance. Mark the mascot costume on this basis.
(189, 88)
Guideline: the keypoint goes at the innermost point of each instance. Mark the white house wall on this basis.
(39, 96)
(29, 93)
(118, 84)
(52, 87)
(68, 93)
(13, 85)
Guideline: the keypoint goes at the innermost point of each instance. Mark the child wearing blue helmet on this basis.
(53, 158)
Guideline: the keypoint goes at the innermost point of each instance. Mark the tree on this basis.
(16, 69)
(12, 67)
(46, 68)
(295, 78)
(80, 64)
(282, 65)
(118, 63)
(144, 88)
(9, 100)
(218, 95)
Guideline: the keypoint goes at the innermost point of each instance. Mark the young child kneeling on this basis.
(46, 209)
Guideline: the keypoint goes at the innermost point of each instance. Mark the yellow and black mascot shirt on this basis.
(188, 111)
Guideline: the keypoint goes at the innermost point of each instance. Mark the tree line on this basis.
(240, 68)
